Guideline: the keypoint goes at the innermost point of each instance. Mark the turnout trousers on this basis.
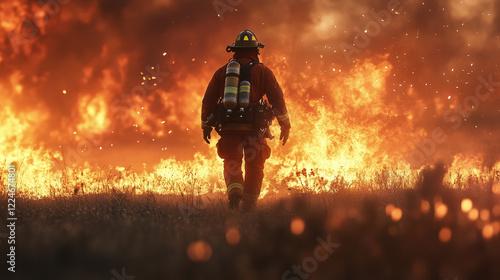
(232, 148)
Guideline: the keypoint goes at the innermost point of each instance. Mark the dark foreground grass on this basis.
(118, 236)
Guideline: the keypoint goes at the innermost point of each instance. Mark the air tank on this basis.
(230, 100)
(244, 94)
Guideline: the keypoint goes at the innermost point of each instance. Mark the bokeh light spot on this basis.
(199, 251)
(466, 205)
(445, 235)
(233, 236)
(441, 210)
(473, 214)
(297, 226)
(488, 231)
(396, 214)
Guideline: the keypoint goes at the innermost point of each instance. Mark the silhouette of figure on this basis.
(234, 105)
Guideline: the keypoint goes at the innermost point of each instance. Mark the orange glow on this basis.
(396, 214)
(94, 114)
(466, 205)
(484, 214)
(389, 208)
(335, 219)
(488, 231)
(440, 210)
(496, 227)
(233, 236)
(445, 235)
(425, 206)
(473, 214)
(392, 231)
(297, 226)
(496, 188)
(199, 251)
(496, 210)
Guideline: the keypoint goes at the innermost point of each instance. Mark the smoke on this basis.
(80, 73)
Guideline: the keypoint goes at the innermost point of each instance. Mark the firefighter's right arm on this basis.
(212, 95)
(209, 104)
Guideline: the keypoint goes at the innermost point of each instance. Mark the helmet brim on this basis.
(233, 46)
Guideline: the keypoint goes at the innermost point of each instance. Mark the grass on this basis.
(87, 236)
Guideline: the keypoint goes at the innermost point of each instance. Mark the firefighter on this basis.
(242, 123)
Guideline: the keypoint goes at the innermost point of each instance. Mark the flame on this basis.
(93, 112)
(140, 80)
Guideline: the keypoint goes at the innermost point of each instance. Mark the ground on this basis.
(349, 234)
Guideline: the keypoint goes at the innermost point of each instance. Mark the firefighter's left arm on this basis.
(212, 95)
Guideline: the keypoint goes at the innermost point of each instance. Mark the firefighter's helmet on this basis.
(246, 39)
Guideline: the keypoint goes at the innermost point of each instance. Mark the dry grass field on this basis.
(426, 232)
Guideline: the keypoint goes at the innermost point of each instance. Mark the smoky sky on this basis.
(437, 50)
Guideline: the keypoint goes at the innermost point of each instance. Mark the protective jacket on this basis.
(262, 80)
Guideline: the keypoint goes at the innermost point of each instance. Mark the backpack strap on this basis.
(245, 70)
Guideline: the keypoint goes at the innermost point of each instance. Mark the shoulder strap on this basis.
(245, 70)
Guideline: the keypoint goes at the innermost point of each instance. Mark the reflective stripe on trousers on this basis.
(232, 148)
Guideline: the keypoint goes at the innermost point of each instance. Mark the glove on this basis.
(285, 131)
(284, 122)
(206, 133)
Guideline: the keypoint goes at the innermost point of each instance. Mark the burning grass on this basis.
(45, 175)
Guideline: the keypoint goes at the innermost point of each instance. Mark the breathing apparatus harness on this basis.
(235, 110)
